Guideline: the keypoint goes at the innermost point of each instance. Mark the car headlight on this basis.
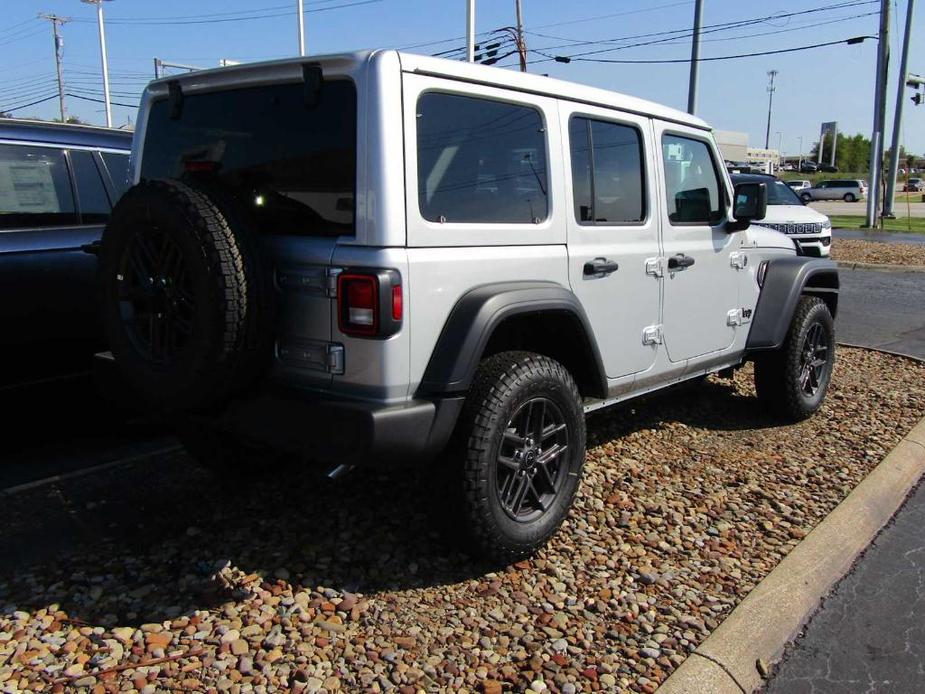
(827, 224)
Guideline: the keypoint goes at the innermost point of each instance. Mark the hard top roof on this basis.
(454, 69)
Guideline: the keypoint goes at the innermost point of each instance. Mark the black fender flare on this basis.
(786, 280)
(480, 311)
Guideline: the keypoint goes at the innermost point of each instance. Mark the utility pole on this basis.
(103, 58)
(695, 59)
(470, 31)
(898, 116)
(56, 22)
(771, 89)
(300, 8)
(800, 159)
(876, 138)
(521, 42)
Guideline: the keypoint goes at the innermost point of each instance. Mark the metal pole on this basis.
(695, 59)
(800, 157)
(470, 31)
(157, 64)
(99, 19)
(780, 147)
(521, 42)
(301, 10)
(834, 144)
(876, 139)
(767, 135)
(898, 116)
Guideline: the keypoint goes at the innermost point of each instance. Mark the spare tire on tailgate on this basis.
(186, 302)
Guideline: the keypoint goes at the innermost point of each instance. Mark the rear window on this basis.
(35, 189)
(292, 165)
(480, 160)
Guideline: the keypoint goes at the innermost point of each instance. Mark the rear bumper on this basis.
(342, 432)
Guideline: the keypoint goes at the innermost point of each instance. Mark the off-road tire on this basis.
(230, 324)
(777, 374)
(504, 383)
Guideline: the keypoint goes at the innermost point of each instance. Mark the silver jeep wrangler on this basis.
(384, 258)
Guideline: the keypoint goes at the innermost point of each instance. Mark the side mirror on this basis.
(751, 203)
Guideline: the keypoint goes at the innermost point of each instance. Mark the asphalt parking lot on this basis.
(839, 207)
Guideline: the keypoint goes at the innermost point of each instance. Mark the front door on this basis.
(701, 283)
(613, 232)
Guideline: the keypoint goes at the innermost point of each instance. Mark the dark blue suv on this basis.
(58, 184)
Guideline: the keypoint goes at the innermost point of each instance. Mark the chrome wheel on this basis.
(533, 461)
(813, 358)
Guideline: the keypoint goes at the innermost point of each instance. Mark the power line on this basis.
(33, 103)
(100, 101)
(849, 41)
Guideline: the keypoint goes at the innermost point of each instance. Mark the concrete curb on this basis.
(775, 611)
(882, 267)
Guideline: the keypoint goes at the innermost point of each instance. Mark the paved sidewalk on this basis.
(869, 635)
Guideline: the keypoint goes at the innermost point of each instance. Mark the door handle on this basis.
(680, 262)
(600, 266)
(93, 248)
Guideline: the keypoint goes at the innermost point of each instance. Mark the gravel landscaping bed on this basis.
(689, 500)
(860, 251)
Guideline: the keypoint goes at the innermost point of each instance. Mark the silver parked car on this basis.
(849, 190)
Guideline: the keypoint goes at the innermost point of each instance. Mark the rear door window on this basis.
(292, 163)
(91, 193)
(607, 172)
(35, 189)
(117, 167)
(480, 160)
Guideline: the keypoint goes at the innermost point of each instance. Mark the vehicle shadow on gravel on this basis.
(145, 543)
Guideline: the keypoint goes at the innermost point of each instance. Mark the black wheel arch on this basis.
(786, 280)
(538, 316)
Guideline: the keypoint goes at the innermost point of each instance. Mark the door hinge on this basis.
(655, 267)
(738, 260)
(336, 359)
(739, 316)
(331, 279)
(652, 335)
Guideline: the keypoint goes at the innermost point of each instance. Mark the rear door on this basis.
(47, 282)
(613, 231)
(701, 283)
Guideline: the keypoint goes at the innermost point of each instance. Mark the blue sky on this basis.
(833, 83)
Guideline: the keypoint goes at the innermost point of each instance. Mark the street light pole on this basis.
(103, 58)
(470, 31)
(876, 137)
(898, 116)
(300, 8)
(695, 59)
(771, 89)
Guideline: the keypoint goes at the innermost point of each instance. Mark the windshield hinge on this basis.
(336, 359)
(738, 260)
(655, 267)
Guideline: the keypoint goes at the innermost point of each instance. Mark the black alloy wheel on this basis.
(813, 360)
(531, 469)
(155, 297)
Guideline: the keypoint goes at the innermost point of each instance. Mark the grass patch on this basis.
(911, 224)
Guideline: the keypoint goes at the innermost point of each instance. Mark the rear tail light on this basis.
(369, 303)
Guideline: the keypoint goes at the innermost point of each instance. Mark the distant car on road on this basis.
(849, 190)
(810, 230)
(808, 167)
(914, 185)
(58, 184)
(827, 168)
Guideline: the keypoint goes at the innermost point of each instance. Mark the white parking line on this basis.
(16, 489)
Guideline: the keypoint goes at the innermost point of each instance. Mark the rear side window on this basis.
(691, 182)
(291, 163)
(480, 160)
(607, 172)
(35, 189)
(91, 194)
(117, 166)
